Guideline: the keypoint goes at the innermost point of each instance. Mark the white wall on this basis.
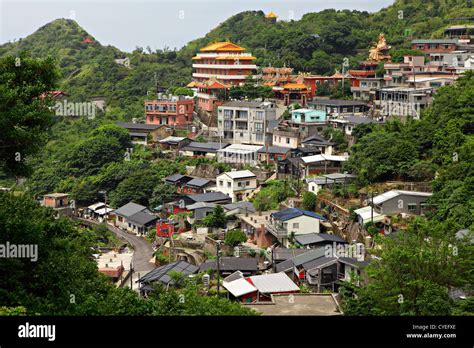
(231, 187)
(280, 140)
(306, 224)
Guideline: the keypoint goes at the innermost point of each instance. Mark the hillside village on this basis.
(337, 182)
(272, 212)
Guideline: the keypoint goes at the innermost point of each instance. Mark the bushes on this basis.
(274, 193)
(309, 201)
(234, 237)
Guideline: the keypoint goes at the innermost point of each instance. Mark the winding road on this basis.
(142, 250)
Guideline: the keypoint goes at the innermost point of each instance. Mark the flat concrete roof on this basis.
(302, 304)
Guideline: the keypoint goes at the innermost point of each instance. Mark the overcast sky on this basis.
(154, 23)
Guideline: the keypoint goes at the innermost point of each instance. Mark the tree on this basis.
(216, 219)
(413, 274)
(182, 91)
(309, 201)
(336, 136)
(138, 188)
(162, 193)
(234, 237)
(24, 109)
(270, 196)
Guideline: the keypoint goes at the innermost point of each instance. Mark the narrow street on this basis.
(143, 251)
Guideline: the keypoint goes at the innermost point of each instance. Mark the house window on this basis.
(229, 185)
(287, 140)
(296, 225)
(221, 183)
(239, 184)
(259, 137)
(259, 115)
(247, 183)
(411, 207)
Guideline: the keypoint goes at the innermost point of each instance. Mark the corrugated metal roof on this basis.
(239, 174)
(312, 238)
(209, 197)
(395, 193)
(273, 283)
(198, 182)
(239, 287)
(162, 273)
(309, 256)
(129, 209)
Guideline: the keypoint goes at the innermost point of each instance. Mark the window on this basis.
(239, 184)
(344, 110)
(259, 115)
(247, 183)
(411, 207)
(221, 183)
(296, 225)
(259, 137)
(287, 140)
(229, 185)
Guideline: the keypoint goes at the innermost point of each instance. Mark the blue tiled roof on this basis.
(291, 213)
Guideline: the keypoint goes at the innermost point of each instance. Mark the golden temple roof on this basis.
(226, 46)
(271, 14)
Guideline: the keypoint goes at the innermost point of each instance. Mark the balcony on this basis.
(220, 77)
(225, 66)
(277, 231)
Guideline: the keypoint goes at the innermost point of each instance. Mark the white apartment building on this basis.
(245, 122)
(237, 184)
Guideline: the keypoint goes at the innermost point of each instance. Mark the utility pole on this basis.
(372, 207)
(218, 268)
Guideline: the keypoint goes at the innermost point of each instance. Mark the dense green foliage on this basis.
(216, 219)
(234, 237)
(309, 201)
(417, 269)
(269, 197)
(64, 279)
(24, 114)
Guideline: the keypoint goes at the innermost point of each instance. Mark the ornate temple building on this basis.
(217, 67)
(271, 17)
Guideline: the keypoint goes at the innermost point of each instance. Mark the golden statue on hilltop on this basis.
(379, 52)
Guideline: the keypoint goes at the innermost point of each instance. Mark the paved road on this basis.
(142, 250)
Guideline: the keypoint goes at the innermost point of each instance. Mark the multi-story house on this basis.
(245, 122)
(308, 121)
(365, 87)
(434, 46)
(287, 223)
(237, 184)
(176, 111)
(402, 101)
(217, 67)
(337, 107)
